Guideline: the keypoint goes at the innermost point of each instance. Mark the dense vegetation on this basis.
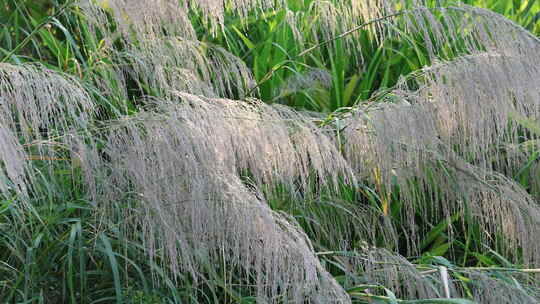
(269, 151)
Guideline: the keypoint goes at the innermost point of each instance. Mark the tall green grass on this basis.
(346, 183)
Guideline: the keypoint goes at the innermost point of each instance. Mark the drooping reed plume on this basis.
(395, 272)
(460, 119)
(40, 111)
(183, 164)
(490, 289)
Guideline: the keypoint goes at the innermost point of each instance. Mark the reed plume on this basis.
(40, 111)
(179, 168)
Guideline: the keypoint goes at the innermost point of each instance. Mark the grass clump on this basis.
(380, 151)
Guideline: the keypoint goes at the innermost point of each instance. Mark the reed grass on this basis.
(269, 151)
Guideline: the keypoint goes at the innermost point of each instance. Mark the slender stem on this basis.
(36, 30)
(268, 75)
(354, 29)
(444, 278)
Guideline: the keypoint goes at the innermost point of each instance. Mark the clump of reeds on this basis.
(198, 170)
(180, 166)
(396, 144)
